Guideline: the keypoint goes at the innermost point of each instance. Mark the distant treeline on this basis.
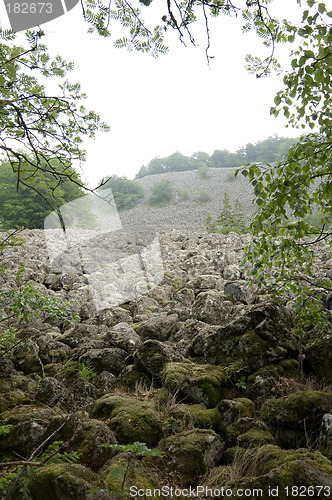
(268, 151)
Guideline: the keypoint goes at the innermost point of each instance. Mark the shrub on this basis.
(161, 194)
(184, 195)
(203, 171)
(203, 197)
(231, 218)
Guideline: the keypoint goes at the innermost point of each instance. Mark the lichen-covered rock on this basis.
(105, 382)
(131, 419)
(295, 417)
(212, 307)
(319, 356)
(124, 337)
(194, 383)
(50, 391)
(190, 454)
(271, 379)
(325, 436)
(113, 316)
(159, 327)
(65, 482)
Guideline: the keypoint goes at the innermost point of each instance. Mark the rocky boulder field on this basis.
(202, 368)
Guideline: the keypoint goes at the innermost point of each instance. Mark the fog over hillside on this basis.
(189, 214)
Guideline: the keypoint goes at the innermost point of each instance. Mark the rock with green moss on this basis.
(296, 418)
(268, 466)
(231, 410)
(64, 482)
(183, 417)
(111, 359)
(28, 428)
(125, 471)
(124, 337)
(89, 440)
(319, 355)
(258, 337)
(152, 356)
(131, 376)
(130, 418)
(246, 431)
(266, 380)
(195, 383)
(190, 454)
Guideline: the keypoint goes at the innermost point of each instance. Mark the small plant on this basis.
(86, 371)
(203, 197)
(232, 370)
(231, 218)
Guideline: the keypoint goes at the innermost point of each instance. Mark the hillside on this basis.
(189, 214)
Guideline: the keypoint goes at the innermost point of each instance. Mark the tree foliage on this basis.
(41, 130)
(126, 193)
(26, 207)
(283, 250)
(269, 150)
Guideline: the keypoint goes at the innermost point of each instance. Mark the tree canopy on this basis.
(266, 151)
(27, 207)
(40, 131)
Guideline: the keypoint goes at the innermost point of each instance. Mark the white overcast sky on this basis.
(173, 103)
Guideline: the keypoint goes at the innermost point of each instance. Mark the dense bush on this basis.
(161, 194)
(127, 193)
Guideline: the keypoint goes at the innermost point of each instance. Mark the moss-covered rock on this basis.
(28, 428)
(266, 380)
(131, 419)
(111, 359)
(319, 356)
(296, 418)
(231, 410)
(258, 337)
(194, 383)
(124, 471)
(130, 376)
(88, 443)
(65, 482)
(189, 454)
(152, 356)
(247, 431)
(184, 416)
(268, 466)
